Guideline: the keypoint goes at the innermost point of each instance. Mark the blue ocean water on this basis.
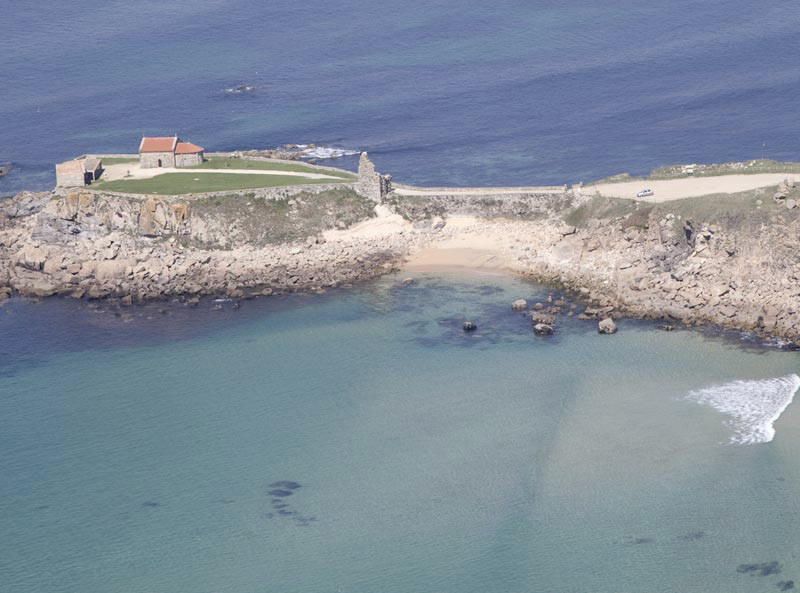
(509, 92)
(360, 441)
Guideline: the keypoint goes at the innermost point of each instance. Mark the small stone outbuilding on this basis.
(78, 172)
(168, 151)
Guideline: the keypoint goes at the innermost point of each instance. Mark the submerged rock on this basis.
(280, 493)
(543, 317)
(543, 329)
(763, 569)
(286, 484)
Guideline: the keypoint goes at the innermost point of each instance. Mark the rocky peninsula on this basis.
(728, 259)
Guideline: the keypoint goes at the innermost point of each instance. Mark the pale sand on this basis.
(384, 224)
(440, 256)
(689, 187)
(133, 171)
(466, 243)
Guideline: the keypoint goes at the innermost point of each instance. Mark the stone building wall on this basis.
(149, 160)
(69, 178)
(188, 160)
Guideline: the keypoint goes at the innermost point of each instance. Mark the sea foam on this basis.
(753, 406)
(324, 152)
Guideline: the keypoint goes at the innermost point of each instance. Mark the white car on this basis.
(645, 193)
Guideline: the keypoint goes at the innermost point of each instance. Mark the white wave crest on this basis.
(754, 406)
(326, 152)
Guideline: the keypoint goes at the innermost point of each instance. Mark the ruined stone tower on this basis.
(372, 184)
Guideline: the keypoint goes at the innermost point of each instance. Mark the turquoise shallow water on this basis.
(139, 455)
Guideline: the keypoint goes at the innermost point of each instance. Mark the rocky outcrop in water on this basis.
(607, 326)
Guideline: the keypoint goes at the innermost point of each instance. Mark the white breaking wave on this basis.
(754, 406)
(325, 152)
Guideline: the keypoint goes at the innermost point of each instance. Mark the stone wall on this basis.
(69, 178)
(149, 160)
(188, 160)
(522, 205)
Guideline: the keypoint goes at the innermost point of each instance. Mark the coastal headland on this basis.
(709, 244)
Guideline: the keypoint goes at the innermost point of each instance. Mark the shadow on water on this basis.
(33, 331)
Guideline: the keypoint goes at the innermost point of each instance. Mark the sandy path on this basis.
(385, 223)
(689, 187)
(664, 190)
(133, 171)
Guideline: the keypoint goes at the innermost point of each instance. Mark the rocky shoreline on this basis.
(90, 245)
(731, 263)
(737, 271)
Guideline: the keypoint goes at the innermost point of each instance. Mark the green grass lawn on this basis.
(118, 160)
(186, 183)
(233, 163)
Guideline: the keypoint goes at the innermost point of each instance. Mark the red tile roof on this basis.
(158, 144)
(188, 148)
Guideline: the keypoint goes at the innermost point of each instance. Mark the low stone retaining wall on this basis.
(267, 193)
(411, 190)
(485, 204)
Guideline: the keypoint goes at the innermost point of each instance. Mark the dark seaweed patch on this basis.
(285, 484)
(785, 585)
(763, 569)
(280, 493)
(418, 327)
(692, 536)
(151, 504)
